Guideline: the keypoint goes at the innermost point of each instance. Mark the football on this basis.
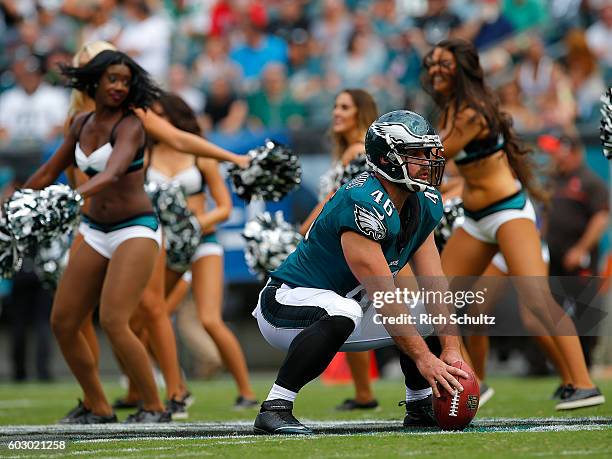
(456, 411)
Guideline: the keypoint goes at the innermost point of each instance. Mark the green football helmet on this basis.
(400, 138)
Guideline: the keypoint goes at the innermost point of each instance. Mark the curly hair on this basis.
(143, 91)
(471, 91)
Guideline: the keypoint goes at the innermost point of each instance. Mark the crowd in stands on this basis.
(252, 64)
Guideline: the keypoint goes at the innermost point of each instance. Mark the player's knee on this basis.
(350, 310)
(339, 325)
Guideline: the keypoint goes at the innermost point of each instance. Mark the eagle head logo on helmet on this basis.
(401, 138)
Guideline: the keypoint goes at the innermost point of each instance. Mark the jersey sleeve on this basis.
(362, 216)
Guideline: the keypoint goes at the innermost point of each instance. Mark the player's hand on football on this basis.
(451, 356)
(436, 371)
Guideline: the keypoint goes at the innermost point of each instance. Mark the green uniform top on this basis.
(362, 206)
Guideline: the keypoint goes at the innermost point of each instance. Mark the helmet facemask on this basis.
(431, 165)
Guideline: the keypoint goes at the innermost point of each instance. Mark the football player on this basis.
(364, 236)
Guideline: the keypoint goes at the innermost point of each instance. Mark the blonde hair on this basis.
(77, 98)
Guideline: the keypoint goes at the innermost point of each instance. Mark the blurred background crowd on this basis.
(257, 68)
(252, 64)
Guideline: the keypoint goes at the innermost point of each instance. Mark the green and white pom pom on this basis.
(269, 241)
(273, 172)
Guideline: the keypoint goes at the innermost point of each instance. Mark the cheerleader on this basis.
(162, 337)
(169, 165)
(499, 215)
(122, 237)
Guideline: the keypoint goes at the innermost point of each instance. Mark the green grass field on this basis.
(515, 398)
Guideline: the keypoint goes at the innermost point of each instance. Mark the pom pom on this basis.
(356, 167)
(51, 260)
(329, 180)
(269, 241)
(452, 216)
(273, 172)
(10, 260)
(339, 175)
(605, 129)
(36, 217)
(182, 232)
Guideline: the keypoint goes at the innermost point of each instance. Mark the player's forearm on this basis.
(430, 278)
(394, 316)
(413, 346)
(449, 342)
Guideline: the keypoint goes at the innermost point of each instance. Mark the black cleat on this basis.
(351, 404)
(275, 418)
(143, 416)
(75, 412)
(177, 409)
(419, 413)
(245, 403)
(562, 392)
(91, 418)
(581, 398)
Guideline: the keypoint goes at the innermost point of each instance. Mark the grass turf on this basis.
(515, 397)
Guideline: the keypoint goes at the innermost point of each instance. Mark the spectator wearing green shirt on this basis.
(273, 106)
(525, 14)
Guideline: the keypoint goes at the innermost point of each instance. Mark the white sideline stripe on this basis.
(573, 427)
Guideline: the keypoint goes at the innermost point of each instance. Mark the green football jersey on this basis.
(362, 206)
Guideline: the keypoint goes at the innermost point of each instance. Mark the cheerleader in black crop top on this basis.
(499, 214)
